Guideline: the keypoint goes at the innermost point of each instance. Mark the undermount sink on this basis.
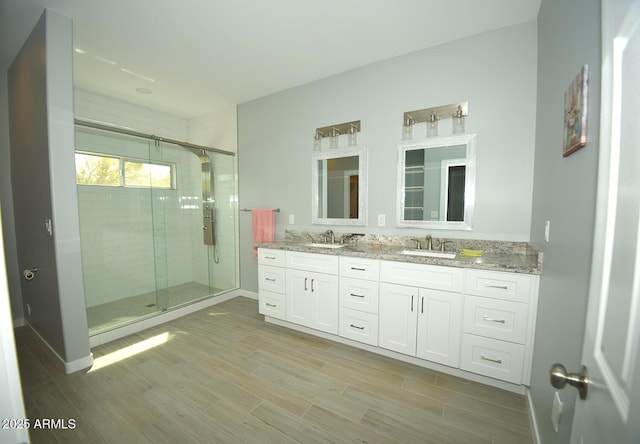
(430, 253)
(320, 245)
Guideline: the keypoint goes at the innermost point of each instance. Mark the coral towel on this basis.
(263, 227)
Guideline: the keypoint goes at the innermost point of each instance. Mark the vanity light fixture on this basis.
(352, 139)
(458, 121)
(333, 142)
(351, 129)
(455, 111)
(432, 126)
(317, 141)
(407, 128)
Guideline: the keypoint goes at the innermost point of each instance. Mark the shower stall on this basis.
(157, 224)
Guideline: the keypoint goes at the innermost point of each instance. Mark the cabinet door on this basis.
(439, 326)
(297, 297)
(323, 289)
(398, 318)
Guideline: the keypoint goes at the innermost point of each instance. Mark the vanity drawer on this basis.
(360, 268)
(271, 257)
(419, 275)
(498, 319)
(271, 278)
(359, 326)
(320, 263)
(359, 294)
(508, 286)
(271, 304)
(493, 358)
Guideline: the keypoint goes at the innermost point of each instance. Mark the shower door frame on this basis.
(177, 311)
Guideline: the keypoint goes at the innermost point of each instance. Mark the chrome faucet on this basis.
(332, 237)
(429, 242)
(418, 244)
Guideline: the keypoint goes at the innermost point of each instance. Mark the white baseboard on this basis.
(78, 364)
(250, 294)
(532, 418)
(71, 366)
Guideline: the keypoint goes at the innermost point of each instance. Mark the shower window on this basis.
(98, 169)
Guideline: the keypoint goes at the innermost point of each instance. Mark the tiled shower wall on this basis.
(118, 221)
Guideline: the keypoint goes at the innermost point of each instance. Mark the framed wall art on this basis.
(575, 113)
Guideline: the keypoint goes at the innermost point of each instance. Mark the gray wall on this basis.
(6, 199)
(564, 193)
(40, 84)
(494, 71)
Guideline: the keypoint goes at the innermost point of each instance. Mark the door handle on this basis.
(560, 378)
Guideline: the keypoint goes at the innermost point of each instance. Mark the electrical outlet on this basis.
(547, 227)
(382, 220)
(292, 218)
(556, 411)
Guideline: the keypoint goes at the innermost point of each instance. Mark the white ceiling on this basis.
(197, 56)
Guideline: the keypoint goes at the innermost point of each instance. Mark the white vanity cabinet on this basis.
(311, 296)
(498, 324)
(473, 323)
(421, 311)
(271, 283)
(359, 289)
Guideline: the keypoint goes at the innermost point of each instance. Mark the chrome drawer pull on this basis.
(501, 287)
(497, 361)
(356, 295)
(269, 257)
(271, 305)
(488, 319)
(358, 269)
(355, 326)
(270, 279)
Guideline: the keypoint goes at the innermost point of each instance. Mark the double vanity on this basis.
(472, 317)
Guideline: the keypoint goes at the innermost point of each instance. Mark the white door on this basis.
(324, 302)
(611, 352)
(439, 326)
(297, 303)
(398, 319)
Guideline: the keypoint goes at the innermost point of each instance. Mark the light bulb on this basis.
(407, 129)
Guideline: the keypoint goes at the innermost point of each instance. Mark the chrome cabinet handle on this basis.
(271, 305)
(312, 290)
(485, 358)
(305, 284)
(358, 269)
(356, 295)
(411, 302)
(500, 287)
(269, 279)
(488, 319)
(355, 326)
(422, 308)
(269, 257)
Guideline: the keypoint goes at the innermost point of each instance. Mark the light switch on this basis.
(382, 220)
(547, 227)
(292, 218)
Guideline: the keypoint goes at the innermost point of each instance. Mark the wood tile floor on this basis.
(225, 376)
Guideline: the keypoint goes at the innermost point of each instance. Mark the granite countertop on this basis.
(525, 260)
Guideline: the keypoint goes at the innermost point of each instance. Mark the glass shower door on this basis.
(143, 205)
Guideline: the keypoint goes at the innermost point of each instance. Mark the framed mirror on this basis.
(436, 183)
(339, 184)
